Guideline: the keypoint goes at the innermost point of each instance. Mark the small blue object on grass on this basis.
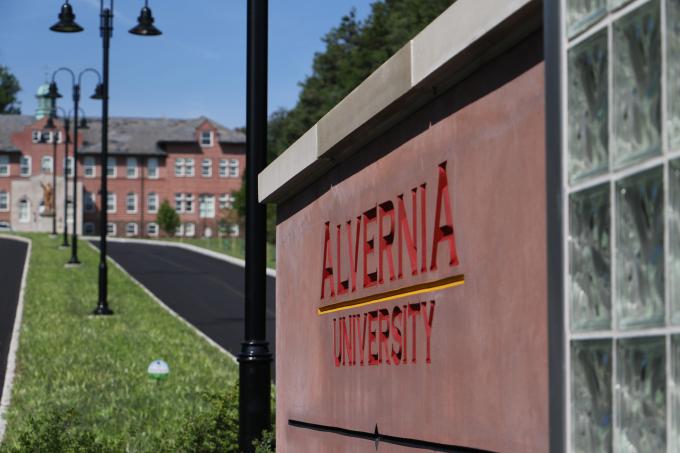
(158, 370)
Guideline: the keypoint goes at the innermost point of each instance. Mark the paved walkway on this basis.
(12, 259)
(205, 291)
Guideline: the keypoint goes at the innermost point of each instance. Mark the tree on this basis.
(9, 87)
(167, 218)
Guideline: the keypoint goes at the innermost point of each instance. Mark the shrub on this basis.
(167, 218)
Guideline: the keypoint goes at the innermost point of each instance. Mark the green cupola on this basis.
(44, 102)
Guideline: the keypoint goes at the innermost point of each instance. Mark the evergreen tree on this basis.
(167, 218)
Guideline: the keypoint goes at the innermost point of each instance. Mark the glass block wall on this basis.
(621, 137)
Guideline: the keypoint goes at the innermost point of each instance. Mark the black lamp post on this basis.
(255, 358)
(67, 24)
(54, 93)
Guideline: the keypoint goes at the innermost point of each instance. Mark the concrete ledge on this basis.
(467, 34)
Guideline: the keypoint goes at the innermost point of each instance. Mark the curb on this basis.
(168, 309)
(193, 248)
(14, 343)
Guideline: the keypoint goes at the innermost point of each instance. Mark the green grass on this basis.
(97, 365)
(235, 247)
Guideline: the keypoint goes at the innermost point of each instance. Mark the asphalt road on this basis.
(13, 255)
(205, 291)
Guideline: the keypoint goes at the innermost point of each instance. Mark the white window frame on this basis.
(25, 202)
(131, 197)
(112, 166)
(135, 229)
(206, 206)
(88, 228)
(226, 201)
(224, 168)
(155, 167)
(131, 164)
(179, 203)
(46, 137)
(234, 170)
(5, 167)
(6, 195)
(206, 167)
(210, 135)
(36, 136)
(189, 203)
(89, 167)
(25, 166)
(189, 168)
(190, 229)
(59, 136)
(180, 168)
(88, 201)
(49, 168)
(179, 232)
(150, 226)
(152, 206)
(68, 166)
(111, 229)
(111, 197)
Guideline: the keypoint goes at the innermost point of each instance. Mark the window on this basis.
(152, 167)
(179, 167)
(189, 167)
(25, 166)
(110, 202)
(111, 164)
(4, 201)
(90, 168)
(88, 228)
(179, 232)
(36, 136)
(131, 167)
(234, 230)
(46, 166)
(131, 203)
(110, 229)
(233, 168)
(46, 137)
(189, 202)
(179, 202)
(206, 168)
(59, 136)
(152, 229)
(4, 165)
(226, 201)
(152, 202)
(206, 206)
(224, 168)
(68, 166)
(88, 202)
(24, 210)
(189, 230)
(206, 138)
(131, 229)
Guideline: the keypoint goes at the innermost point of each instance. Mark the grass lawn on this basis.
(70, 359)
(235, 247)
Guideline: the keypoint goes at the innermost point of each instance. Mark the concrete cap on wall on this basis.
(467, 34)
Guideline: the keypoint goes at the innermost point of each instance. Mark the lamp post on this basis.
(67, 138)
(255, 358)
(145, 27)
(54, 94)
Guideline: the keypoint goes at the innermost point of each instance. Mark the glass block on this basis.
(616, 4)
(673, 71)
(675, 393)
(591, 393)
(641, 395)
(581, 14)
(590, 259)
(640, 250)
(674, 239)
(588, 110)
(637, 79)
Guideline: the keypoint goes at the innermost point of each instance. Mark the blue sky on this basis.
(197, 67)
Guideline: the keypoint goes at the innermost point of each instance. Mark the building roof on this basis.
(127, 135)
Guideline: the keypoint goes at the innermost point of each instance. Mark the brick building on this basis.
(195, 164)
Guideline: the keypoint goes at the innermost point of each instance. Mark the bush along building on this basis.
(194, 164)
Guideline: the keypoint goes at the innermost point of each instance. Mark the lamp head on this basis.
(67, 20)
(98, 92)
(145, 25)
(83, 123)
(53, 92)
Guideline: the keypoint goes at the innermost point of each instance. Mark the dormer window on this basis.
(36, 136)
(206, 138)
